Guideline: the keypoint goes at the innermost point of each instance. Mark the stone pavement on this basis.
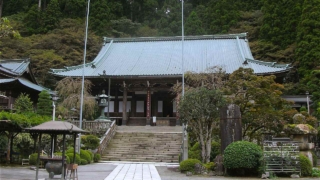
(134, 172)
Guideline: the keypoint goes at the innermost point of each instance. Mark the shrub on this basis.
(84, 162)
(188, 165)
(210, 166)
(90, 142)
(60, 154)
(314, 159)
(305, 165)
(33, 159)
(215, 150)
(315, 172)
(85, 155)
(242, 158)
(96, 157)
(195, 151)
(78, 159)
(91, 155)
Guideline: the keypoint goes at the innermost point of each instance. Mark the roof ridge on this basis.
(175, 38)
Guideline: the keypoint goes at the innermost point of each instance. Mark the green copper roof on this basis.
(162, 56)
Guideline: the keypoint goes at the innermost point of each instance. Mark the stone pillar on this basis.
(230, 125)
(124, 107)
(148, 107)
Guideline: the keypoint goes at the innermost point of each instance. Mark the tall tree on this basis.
(221, 15)
(308, 38)
(23, 103)
(194, 25)
(1, 6)
(69, 91)
(280, 21)
(199, 108)
(259, 99)
(44, 106)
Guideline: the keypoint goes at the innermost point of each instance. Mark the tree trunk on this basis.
(1, 5)
(208, 150)
(9, 135)
(39, 5)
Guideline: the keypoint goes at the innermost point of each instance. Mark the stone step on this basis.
(141, 160)
(144, 147)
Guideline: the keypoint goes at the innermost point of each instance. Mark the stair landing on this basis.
(150, 129)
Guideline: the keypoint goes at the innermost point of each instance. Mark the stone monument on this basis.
(230, 125)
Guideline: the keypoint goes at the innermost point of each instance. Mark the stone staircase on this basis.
(145, 144)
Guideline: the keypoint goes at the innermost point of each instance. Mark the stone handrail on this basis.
(106, 138)
(94, 127)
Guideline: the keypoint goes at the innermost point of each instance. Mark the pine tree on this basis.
(308, 38)
(23, 103)
(194, 25)
(44, 106)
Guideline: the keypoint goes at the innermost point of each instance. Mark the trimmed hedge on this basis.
(85, 155)
(242, 158)
(84, 162)
(78, 159)
(306, 165)
(188, 165)
(33, 159)
(96, 157)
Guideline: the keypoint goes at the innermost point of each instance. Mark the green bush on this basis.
(78, 159)
(96, 157)
(84, 162)
(242, 158)
(60, 154)
(315, 172)
(90, 142)
(188, 165)
(85, 155)
(305, 165)
(33, 159)
(215, 150)
(195, 151)
(314, 159)
(210, 166)
(91, 155)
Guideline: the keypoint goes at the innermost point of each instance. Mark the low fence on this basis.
(106, 138)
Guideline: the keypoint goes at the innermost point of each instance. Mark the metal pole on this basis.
(308, 102)
(109, 84)
(53, 119)
(184, 130)
(84, 63)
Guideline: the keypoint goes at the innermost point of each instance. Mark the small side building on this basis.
(16, 77)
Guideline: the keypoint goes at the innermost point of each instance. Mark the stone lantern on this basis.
(103, 103)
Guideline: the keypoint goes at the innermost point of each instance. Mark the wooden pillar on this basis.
(74, 148)
(38, 159)
(124, 107)
(133, 105)
(177, 112)
(63, 157)
(148, 107)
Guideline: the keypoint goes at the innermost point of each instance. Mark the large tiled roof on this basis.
(163, 56)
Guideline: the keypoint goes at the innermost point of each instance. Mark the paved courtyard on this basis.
(115, 171)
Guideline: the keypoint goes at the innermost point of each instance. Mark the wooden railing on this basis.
(106, 138)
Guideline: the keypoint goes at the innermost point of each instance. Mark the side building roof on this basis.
(162, 56)
(19, 71)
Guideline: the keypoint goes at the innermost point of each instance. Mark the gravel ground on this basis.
(169, 174)
(87, 172)
(99, 171)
